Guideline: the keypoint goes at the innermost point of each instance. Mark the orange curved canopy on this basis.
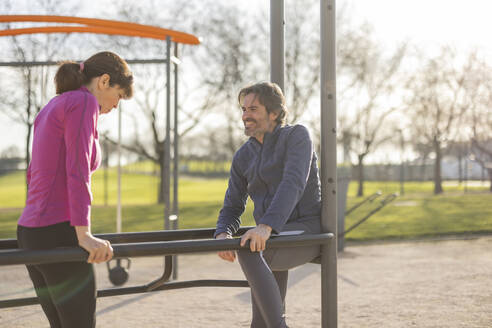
(80, 29)
(95, 25)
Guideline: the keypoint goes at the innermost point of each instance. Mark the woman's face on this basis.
(107, 96)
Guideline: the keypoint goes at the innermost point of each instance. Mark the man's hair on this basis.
(269, 95)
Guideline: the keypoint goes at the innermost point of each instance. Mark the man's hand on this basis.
(99, 250)
(257, 237)
(226, 255)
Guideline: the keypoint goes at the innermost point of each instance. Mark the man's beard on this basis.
(251, 131)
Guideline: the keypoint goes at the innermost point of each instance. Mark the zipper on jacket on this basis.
(261, 179)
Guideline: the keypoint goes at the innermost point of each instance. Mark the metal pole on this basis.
(106, 168)
(166, 174)
(175, 208)
(76, 254)
(118, 205)
(329, 312)
(277, 24)
(167, 141)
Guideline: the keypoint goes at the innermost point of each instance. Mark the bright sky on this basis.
(426, 23)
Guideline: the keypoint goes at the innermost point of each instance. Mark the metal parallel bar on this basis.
(136, 290)
(145, 236)
(56, 63)
(277, 53)
(76, 254)
(329, 293)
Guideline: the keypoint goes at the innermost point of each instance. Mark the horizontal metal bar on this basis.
(55, 63)
(136, 290)
(18, 256)
(145, 236)
(162, 235)
(172, 285)
(18, 302)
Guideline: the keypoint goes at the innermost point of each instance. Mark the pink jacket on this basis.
(65, 152)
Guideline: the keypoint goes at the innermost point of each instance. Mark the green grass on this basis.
(200, 201)
(424, 215)
(413, 187)
(191, 166)
(416, 214)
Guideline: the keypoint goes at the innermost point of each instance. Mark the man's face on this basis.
(257, 121)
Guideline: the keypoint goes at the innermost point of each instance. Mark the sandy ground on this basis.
(414, 284)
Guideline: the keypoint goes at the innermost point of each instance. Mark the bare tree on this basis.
(302, 54)
(149, 119)
(478, 96)
(22, 105)
(367, 80)
(436, 105)
(233, 55)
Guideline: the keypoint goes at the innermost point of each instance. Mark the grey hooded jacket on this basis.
(280, 176)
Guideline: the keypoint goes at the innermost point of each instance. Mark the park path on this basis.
(408, 284)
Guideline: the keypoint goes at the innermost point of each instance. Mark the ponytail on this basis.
(69, 76)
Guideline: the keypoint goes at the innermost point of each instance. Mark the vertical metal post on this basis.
(175, 208)
(118, 205)
(106, 168)
(329, 315)
(167, 141)
(277, 42)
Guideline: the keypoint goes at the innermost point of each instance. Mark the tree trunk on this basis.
(489, 171)
(460, 169)
(160, 192)
(437, 168)
(360, 169)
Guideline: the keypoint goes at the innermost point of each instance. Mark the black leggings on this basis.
(66, 291)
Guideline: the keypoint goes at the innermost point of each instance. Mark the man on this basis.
(277, 169)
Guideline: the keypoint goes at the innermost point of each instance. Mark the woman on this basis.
(65, 152)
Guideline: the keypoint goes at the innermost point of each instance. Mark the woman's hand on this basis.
(257, 237)
(99, 250)
(226, 255)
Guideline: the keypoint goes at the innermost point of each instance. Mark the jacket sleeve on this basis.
(80, 130)
(234, 202)
(299, 153)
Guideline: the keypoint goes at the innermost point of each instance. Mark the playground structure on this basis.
(187, 241)
(342, 231)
